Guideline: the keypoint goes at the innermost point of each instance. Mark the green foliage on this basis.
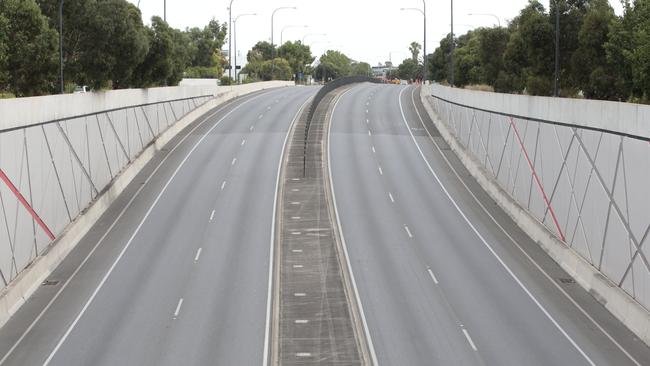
(262, 51)
(415, 48)
(409, 70)
(298, 55)
(28, 61)
(227, 80)
(361, 69)
(204, 43)
(333, 65)
(202, 72)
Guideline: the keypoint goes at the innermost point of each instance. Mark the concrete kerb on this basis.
(14, 295)
(620, 304)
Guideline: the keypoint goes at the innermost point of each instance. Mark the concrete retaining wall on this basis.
(70, 172)
(581, 195)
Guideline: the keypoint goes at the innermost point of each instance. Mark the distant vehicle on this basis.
(81, 89)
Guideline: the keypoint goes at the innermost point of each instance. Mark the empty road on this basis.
(440, 282)
(182, 277)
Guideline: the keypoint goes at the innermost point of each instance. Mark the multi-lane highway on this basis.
(177, 271)
(182, 276)
(441, 283)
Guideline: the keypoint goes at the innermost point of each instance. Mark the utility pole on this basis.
(556, 91)
(230, 37)
(234, 32)
(61, 44)
(272, 44)
(424, 46)
(453, 45)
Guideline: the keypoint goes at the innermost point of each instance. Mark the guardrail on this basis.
(586, 183)
(52, 170)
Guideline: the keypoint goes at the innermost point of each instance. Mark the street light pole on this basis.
(424, 45)
(230, 37)
(556, 87)
(61, 43)
(273, 44)
(453, 45)
(488, 15)
(288, 27)
(234, 28)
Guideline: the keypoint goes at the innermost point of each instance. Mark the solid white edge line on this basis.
(128, 244)
(485, 243)
(269, 299)
(530, 259)
(198, 254)
(110, 228)
(223, 185)
(408, 232)
(433, 276)
(390, 195)
(212, 215)
(178, 307)
(469, 340)
(371, 347)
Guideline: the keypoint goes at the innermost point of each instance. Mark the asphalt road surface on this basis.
(439, 281)
(182, 276)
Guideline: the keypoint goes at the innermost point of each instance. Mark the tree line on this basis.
(292, 60)
(105, 46)
(602, 55)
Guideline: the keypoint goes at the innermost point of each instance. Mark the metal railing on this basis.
(51, 171)
(587, 185)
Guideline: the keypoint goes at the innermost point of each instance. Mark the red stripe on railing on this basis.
(26, 204)
(537, 181)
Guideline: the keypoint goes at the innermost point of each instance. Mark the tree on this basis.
(4, 52)
(333, 65)
(205, 42)
(409, 70)
(467, 60)
(29, 64)
(439, 64)
(491, 47)
(262, 51)
(297, 55)
(591, 71)
(167, 57)
(415, 48)
(361, 69)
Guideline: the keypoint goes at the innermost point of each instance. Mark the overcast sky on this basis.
(366, 30)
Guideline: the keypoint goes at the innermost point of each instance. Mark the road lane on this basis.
(435, 293)
(161, 306)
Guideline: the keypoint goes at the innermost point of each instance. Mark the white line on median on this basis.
(433, 277)
(390, 195)
(366, 330)
(469, 340)
(373, 150)
(223, 185)
(198, 254)
(234, 160)
(243, 142)
(251, 128)
(369, 133)
(406, 228)
(381, 172)
(260, 116)
(212, 215)
(178, 308)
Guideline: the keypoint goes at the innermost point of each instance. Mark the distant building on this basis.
(382, 71)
